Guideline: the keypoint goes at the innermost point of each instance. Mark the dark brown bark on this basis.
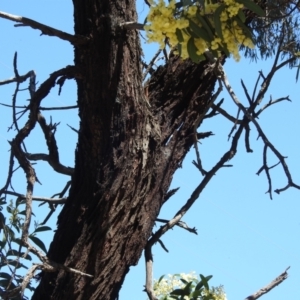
(127, 152)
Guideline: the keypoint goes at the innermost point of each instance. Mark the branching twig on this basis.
(249, 115)
(47, 30)
(180, 224)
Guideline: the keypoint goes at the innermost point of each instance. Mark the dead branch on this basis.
(169, 194)
(224, 113)
(37, 198)
(47, 30)
(151, 63)
(270, 103)
(248, 114)
(180, 224)
(278, 280)
(53, 157)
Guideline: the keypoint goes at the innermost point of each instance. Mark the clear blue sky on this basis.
(244, 239)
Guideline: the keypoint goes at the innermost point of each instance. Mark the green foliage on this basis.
(280, 28)
(187, 287)
(226, 27)
(13, 253)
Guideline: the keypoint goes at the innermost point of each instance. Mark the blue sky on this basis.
(244, 239)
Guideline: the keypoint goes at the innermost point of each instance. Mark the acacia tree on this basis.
(133, 135)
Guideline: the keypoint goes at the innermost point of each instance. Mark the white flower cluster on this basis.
(164, 286)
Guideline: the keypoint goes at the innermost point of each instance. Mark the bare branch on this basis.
(37, 198)
(149, 272)
(224, 113)
(250, 117)
(278, 280)
(47, 30)
(57, 166)
(169, 194)
(271, 102)
(151, 63)
(44, 108)
(180, 224)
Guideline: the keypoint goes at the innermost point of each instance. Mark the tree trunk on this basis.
(130, 144)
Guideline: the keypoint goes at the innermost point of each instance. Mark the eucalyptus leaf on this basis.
(38, 242)
(253, 6)
(217, 20)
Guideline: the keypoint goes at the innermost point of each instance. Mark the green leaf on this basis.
(18, 241)
(245, 29)
(13, 252)
(206, 25)
(179, 35)
(253, 6)
(178, 292)
(16, 264)
(2, 201)
(242, 16)
(217, 20)
(200, 32)
(5, 275)
(184, 281)
(205, 280)
(196, 294)
(5, 282)
(43, 228)
(186, 2)
(179, 47)
(38, 242)
(2, 220)
(3, 243)
(224, 49)
(9, 232)
(192, 49)
(178, 5)
(187, 288)
(297, 74)
(160, 278)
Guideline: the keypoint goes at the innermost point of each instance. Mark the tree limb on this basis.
(269, 287)
(47, 30)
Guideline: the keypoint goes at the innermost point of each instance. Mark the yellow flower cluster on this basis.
(165, 20)
(163, 23)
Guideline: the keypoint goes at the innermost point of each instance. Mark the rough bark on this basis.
(127, 152)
